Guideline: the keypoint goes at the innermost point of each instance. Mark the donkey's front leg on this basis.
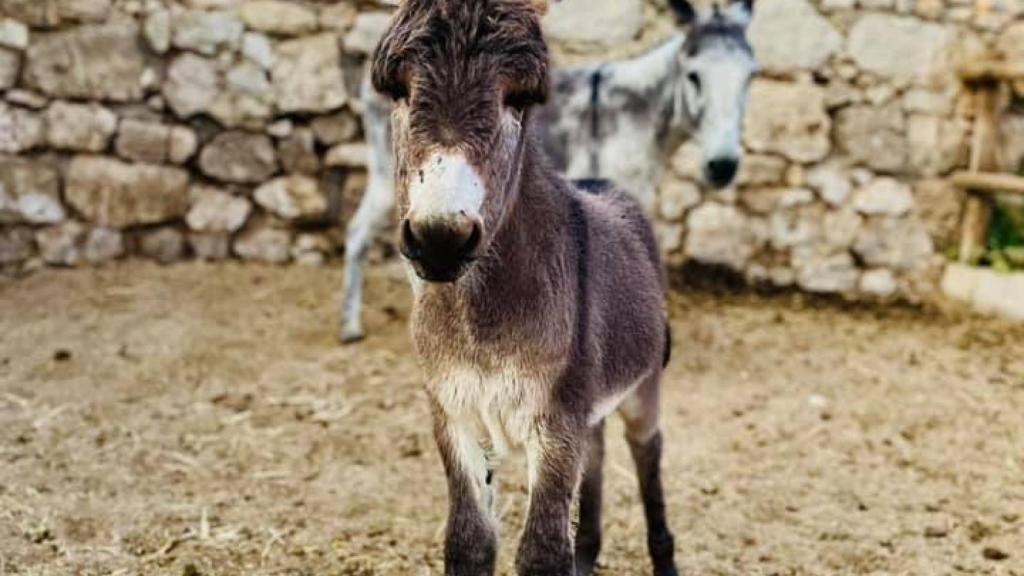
(555, 459)
(471, 539)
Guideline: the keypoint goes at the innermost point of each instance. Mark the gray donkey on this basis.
(539, 304)
(615, 120)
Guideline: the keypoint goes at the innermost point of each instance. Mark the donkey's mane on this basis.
(448, 54)
(501, 29)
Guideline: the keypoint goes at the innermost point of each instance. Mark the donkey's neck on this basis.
(679, 125)
(527, 245)
(513, 301)
(658, 76)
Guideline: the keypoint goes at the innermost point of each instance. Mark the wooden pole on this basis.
(978, 210)
(991, 182)
(992, 71)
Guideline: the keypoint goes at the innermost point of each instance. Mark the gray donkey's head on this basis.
(717, 67)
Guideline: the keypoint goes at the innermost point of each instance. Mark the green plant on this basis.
(1006, 235)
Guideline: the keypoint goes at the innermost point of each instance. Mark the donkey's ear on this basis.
(684, 11)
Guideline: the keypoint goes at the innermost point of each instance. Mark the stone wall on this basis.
(228, 128)
(201, 128)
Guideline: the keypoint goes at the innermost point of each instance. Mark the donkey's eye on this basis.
(397, 84)
(519, 100)
(398, 92)
(694, 80)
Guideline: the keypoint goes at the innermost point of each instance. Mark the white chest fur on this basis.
(490, 412)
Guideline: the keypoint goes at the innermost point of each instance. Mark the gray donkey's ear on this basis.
(684, 10)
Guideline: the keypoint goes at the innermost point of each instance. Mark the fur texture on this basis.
(558, 317)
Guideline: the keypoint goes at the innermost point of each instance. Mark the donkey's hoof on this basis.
(349, 336)
(666, 571)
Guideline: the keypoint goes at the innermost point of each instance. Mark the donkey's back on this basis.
(610, 198)
(621, 287)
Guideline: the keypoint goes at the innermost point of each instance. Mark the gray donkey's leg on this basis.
(374, 210)
(588, 535)
(372, 216)
(643, 435)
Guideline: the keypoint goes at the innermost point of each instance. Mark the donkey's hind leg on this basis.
(371, 216)
(640, 411)
(588, 535)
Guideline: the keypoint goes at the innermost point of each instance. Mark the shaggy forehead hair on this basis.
(463, 37)
(451, 58)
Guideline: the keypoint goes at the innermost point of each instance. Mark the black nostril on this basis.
(410, 245)
(440, 240)
(721, 171)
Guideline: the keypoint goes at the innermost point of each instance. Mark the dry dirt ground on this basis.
(201, 420)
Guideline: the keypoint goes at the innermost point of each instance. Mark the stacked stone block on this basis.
(212, 129)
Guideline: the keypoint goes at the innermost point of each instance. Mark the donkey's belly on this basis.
(606, 406)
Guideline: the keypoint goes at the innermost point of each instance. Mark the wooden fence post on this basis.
(978, 209)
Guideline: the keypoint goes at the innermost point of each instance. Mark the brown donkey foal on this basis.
(539, 304)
